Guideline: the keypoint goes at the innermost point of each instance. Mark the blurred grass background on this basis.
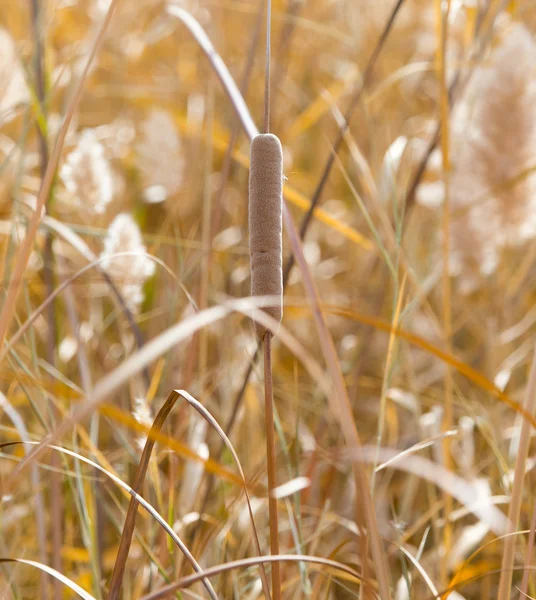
(422, 250)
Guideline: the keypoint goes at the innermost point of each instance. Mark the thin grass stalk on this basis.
(271, 464)
(442, 37)
(96, 550)
(56, 516)
(507, 565)
(267, 75)
(39, 505)
(528, 556)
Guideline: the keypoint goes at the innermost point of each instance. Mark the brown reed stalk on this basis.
(265, 246)
(514, 508)
(56, 513)
(271, 463)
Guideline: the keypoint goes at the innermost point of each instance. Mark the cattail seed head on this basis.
(265, 222)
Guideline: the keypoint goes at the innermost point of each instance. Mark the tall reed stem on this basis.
(270, 455)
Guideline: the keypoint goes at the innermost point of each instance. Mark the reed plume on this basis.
(493, 185)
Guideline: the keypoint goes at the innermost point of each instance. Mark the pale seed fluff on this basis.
(143, 415)
(493, 189)
(160, 158)
(131, 269)
(13, 88)
(87, 175)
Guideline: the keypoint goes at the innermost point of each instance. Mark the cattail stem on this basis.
(265, 233)
(266, 124)
(270, 455)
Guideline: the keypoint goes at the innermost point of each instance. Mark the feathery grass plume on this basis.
(87, 175)
(160, 158)
(144, 415)
(13, 88)
(131, 271)
(265, 222)
(493, 189)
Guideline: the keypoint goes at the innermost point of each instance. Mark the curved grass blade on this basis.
(53, 573)
(130, 521)
(215, 425)
(249, 562)
(219, 67)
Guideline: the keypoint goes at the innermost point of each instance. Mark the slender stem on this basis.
(442, 29)
(270, 455)
(528, 556)
(56, 512)
(266, 127)
(514, 509)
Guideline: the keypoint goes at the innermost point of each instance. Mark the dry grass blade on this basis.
(486, 573)
(216, 426)
(219, 66)
(422, 572)
(505, 582)
(138, 499)
(466, 493)
(39, 506)
(415, 448)
(341, 408)
(184, 451)
(53, 573)
(8, 308)
(249, 562)
(529, 553)
(130, 520)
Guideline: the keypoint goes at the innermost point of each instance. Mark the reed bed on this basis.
(267, 312)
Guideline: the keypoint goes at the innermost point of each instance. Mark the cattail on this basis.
(265, 223)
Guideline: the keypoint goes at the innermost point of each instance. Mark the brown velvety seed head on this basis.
(265, 222)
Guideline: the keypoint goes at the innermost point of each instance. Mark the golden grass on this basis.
(380, 332)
